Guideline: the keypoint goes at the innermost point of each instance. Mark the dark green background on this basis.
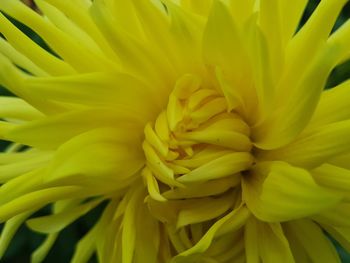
(26, 241)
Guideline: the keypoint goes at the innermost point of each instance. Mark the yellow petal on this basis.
(333, 106)
(209, 188)
(32, 162)
(227, 165)
(99, 90)
(223, 47)
(295, 108)
(18, 109)
(128, 231)
(198, 7)
(337, 216)
(271, 238)
(341, 39)
(10, 229)
(41, 252)
(317, 246)
(37, 199)
(19, 59)
(300, 86)
(207, 239)
(32, 51)
(333, 177)
(57, 129)
(147, 236)
(251, 241)
(87, 245)
(203, 210)
(78, 13)
(277, 191)
(55, 223)
(315, 147)
(95, 159)
(76, 54)
(341, 234)
(291, 15)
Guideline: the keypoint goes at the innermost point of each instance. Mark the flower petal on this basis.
(315, 147)
(334, 106)
(277, 191)
(300, 86)
(315, 243)
(55, 223)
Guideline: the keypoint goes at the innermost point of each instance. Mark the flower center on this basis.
(196, 148)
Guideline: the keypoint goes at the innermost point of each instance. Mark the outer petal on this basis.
(313, 240)
(334, 106)
(315, 147)
(266, 242)
(301, 84)
(277, 191)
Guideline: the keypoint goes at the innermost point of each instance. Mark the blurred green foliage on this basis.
(26, 241)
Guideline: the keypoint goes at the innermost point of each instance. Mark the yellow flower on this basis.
(202, 125)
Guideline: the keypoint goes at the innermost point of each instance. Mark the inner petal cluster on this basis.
(195, 150)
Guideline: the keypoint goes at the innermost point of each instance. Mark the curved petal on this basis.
(266, 242)
(277, 192)
(57, 129)
(316, 245)
(301, 84)
(315, 147)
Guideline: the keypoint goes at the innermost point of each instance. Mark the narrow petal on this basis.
(55, 223)
(32, 51)
(241, 216)
(41, 252)
(36, 200)
(223, 47)
(59, 128)
(76, 54)
(300, 86)
(10, 229)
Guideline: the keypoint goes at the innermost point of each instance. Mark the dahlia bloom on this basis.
(202, 125)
